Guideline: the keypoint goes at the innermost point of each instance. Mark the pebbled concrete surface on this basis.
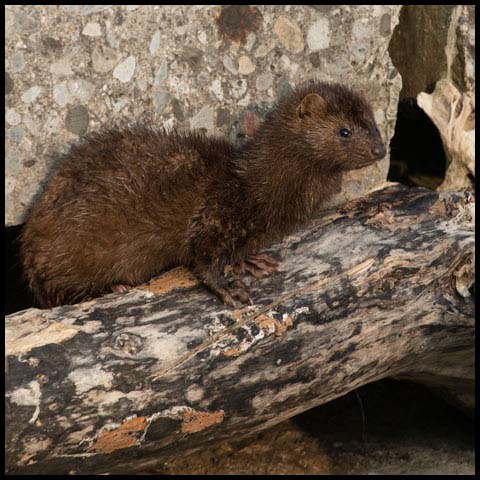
(72, 68)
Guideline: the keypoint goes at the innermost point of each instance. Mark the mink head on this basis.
(337, 126)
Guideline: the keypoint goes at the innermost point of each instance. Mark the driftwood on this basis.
(377, 288)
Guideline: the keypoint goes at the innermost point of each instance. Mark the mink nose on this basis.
(379, 150)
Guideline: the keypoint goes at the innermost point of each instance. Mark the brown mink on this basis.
(127, 203)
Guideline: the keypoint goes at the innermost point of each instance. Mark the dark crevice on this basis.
(390, 411)
(417, 157)
(17, 294)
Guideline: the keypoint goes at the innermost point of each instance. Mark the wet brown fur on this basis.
(127, 203)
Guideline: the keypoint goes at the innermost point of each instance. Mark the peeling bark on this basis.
(377, 288)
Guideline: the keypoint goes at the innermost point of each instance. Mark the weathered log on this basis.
(377, 288)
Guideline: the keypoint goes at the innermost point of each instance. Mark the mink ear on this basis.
(310, 103)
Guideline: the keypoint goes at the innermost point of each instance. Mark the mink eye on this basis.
(345, 132)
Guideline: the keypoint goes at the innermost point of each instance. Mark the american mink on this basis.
(127, 203)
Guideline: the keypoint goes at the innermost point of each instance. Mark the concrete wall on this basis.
(72, 68)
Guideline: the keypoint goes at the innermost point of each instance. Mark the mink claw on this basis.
(227, 299)
(241, 292)
(120, 288)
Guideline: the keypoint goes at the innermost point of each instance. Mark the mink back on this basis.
(116, 209)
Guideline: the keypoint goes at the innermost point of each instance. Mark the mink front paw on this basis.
(259, 265)
(229, 291)
(237, 290)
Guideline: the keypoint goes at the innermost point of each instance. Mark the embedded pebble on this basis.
(8, 84)
(52, 45)
(289, 34)
(264, 81)
(229, 65)
(81, 89)
(124, 70)
(142, 85)
(285, 62)
(251, 37)
(379, 116)
(104, 59)
(385, 25)
(193, 56)
(177, 110)
(17, 62)
(161, 100)
(245, 101)
(264, 49)
(314, 59)
(31, 94)
(112, 39)
(239, 87)
(15, 134)
(217, 89)
(183, 29)
(9, 23)
(203, 77)
(61, 94)
(283, 88)
(318, 36)
(161, 74)
(155, 42)
(31, 125)
(205, 118)
(92, 29)
(12, 162)
(61, 68)
(24, 23)
(77, 119)
(293, 68)
(202, 37)
(53, 124)
(245, 65)
(12, 116)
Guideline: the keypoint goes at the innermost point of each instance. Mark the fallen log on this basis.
(379, 287)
